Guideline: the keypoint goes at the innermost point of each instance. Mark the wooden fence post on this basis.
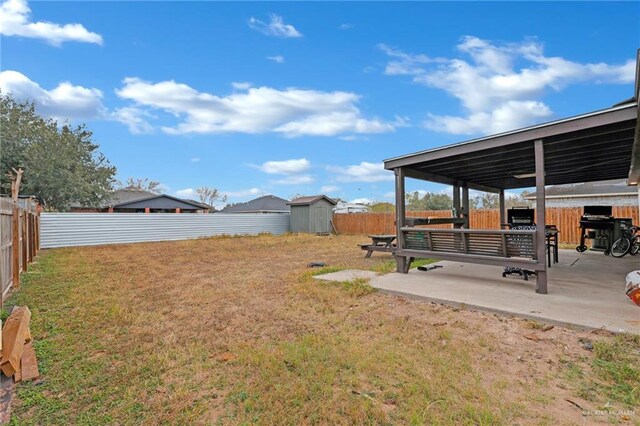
(33, 236)
(15, 246)
(25, 240)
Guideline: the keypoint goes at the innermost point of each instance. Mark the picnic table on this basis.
(382, 243)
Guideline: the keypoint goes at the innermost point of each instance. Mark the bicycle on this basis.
(635, 247)
(628, 243)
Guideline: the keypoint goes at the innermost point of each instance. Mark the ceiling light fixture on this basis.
(524, 175)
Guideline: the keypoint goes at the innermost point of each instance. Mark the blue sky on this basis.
(303, 98)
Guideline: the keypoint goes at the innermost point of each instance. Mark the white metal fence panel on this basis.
(89, 229)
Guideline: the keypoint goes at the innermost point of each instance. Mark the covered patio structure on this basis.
(596, 146)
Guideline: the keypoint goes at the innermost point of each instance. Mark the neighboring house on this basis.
(134, 201)
(265, 204)
(342, 207)
(602, 193)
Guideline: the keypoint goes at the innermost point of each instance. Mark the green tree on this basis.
(428, 201)
(382, 207)
(492, 201)
(62, 166)
(487, 200)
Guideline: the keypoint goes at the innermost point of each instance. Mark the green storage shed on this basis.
(312, 214)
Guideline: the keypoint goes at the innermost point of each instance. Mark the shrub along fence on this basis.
(19, 240)
(566, 219)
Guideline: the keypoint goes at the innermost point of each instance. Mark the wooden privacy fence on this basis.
(19, 239)
(567, 220)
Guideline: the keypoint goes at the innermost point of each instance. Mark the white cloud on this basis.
(195, 160)
(510, 115)
(15, 21)
(243, 193)
(277, 58)
(244, 85)
(405, 63)
(327, 189)
(186, 193)
(363, 172)
(295, 180)
(65, 101)
(286, 167)
(390, 195)
(276, 27)
(346, 26)
(291, 112)
(500, 86)
(134, 118)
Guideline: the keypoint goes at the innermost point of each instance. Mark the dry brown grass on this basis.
(234, 330)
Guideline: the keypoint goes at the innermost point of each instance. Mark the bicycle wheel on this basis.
(635, 248)
(620, 247)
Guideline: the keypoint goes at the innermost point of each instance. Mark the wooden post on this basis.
(502, 207)
(15, 246)
(147, 210)
(177, 210)
(110, 210)
(465, 205)
(456, 204)
(36, 232)
(541, 243)
(16, 177)
(401, 261)
(32, 250)
(25, 240)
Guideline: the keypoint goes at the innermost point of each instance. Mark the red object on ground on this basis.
(634, 295)
(633, 287)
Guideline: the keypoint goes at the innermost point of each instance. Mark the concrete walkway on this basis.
(346, 275)
(586, 290)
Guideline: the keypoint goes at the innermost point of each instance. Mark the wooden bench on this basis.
(516, 248)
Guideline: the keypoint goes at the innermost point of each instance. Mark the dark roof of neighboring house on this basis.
(122, 198)
(301, 201)
(198, 203)
(588, 189)
(267, 203)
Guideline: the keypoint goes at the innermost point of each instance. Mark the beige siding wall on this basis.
(627, 200)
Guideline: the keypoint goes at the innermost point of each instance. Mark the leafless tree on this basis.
(210, 196)
(141, 184)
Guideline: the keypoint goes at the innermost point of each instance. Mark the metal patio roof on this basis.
(588, 147)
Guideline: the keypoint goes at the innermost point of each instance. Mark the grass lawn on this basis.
(235, 330)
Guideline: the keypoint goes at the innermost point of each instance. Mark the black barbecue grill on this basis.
(598, 224)
(522, 218)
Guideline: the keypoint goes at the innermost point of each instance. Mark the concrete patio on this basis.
(586, 290)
